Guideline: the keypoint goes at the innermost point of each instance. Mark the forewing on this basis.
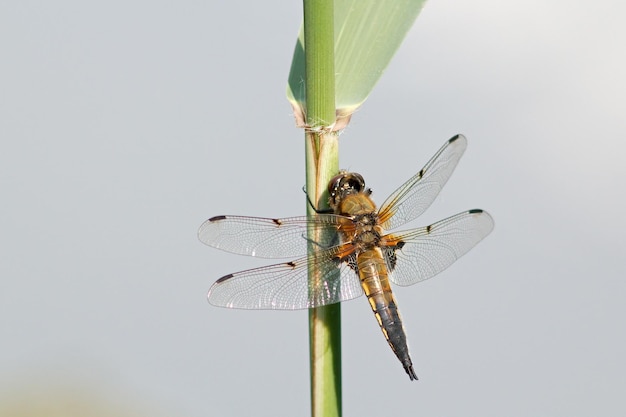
(425, 252)
(418, 193)
(266, 237)
(286, 286)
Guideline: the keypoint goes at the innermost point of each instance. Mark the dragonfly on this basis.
(355, 249)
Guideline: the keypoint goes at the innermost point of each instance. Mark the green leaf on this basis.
(367, 34)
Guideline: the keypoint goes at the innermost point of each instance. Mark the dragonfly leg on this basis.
(318, 211)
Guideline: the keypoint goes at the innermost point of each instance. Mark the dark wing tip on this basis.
(224, 278)
(216, 218)
(455, 137)
(475, 211)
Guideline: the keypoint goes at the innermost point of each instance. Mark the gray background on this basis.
(124, 125)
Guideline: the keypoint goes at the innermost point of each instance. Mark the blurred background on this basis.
(125, 125)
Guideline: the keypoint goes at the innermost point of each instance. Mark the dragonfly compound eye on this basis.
(347, 181)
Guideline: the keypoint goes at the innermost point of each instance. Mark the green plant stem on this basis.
(319, 57)
(321, 150)
(325, 321)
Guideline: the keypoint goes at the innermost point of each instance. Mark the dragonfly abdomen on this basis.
(375, 282)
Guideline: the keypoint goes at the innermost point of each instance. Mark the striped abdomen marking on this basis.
(375, 282)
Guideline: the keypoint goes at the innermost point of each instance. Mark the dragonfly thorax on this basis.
(367, 232)
(355, 205)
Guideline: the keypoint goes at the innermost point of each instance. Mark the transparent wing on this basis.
(418, 193)
(286, 286)
(268, 238)
(422, 253)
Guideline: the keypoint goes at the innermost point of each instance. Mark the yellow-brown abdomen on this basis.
(375, 282)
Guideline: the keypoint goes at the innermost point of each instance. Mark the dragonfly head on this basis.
(344, 184)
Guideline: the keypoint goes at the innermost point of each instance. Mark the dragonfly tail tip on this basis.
(411, 372)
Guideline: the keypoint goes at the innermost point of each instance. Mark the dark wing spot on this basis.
(475, 211)
(217, 218)
(429, 228)
(390, 257)
(351, 261)
(421, 173)
(453, 138)
(291, 264)
(224, 278)
(277, 222)
(400, 244)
